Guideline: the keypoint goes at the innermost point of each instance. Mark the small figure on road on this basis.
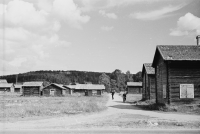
(113, 92)
(124, 96)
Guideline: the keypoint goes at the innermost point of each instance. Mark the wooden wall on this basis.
(144, 86)
(31, 91)
(161, 81)
(57, 91)
(134, 90)
(152, 87)
(183, 73)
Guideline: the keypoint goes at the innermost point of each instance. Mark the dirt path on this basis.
(118, 115)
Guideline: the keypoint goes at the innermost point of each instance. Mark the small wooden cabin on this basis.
(32, 88)
(134, 87)
(54, 89)
(8, 87)
(148, 84)
(177, 74)
(18, 88)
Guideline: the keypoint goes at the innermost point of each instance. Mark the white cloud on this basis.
(31, 34)
(187, 24)
(68, 10)
(21, 13)
(106, 28)
(14, 34)
(109, 15)
(17, 61)
(156, 14)
(88, 5)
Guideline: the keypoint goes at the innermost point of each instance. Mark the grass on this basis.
(16, 106)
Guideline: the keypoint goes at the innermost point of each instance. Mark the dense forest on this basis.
(116, 79)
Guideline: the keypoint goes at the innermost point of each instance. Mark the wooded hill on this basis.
(116, 78)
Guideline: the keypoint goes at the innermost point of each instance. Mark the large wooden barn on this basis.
(177, 73)
(134, 87)
(148, 84)
(54, 89)
(32, 88)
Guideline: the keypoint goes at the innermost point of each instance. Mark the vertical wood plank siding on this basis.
(161, 79)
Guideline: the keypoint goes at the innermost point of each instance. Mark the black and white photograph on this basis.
(100, 66)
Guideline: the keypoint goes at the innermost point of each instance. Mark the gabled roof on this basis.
(86, 86)
(33, 84)
(134, 84)
(3, 81)
(6, 85)
(148, 68)
(57, 85)
(178, 53)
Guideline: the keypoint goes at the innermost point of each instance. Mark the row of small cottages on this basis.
(53, 89)
(174, 75)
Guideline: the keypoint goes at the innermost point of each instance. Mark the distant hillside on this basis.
(62, 77)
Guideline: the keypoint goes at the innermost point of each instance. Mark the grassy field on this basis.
(14, 106)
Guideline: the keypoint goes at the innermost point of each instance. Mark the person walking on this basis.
(113, 92)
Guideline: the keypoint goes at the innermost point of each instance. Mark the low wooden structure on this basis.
(18, 88)
(177, 74)
(148, 84)
(7, 87)
(32, 88)
(54, 89)
(134, 87)
(87, 89)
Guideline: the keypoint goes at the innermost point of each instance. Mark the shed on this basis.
(9, 87)
(18, 88)
(3, 81)
(134, 87)
(54, 89)
(70, 88)
(148, 84)
(177, 73)
(88, 89)
(33, 88)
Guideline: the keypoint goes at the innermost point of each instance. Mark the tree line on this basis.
(115, 80)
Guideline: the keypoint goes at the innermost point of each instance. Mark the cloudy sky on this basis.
(91, 35)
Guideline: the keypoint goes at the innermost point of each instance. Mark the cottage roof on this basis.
(18, 86)
(148, 68)
(33, 84)
(134, 84)
(57, 85)
(3, 81)
(178, 53)
(86, 86)
(6, 85)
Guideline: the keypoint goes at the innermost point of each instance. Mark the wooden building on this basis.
(3, 81)
(148, 84)
(177, 74)
(54, 89)
(32, 88)
(8, 87)
(87, 89)
(134, 87)
(18, 88)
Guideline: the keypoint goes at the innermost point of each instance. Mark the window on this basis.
(186, 90)
(164, 91)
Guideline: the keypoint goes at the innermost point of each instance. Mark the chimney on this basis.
(198, 41)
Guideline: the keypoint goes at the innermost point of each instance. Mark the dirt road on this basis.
(118, 116)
